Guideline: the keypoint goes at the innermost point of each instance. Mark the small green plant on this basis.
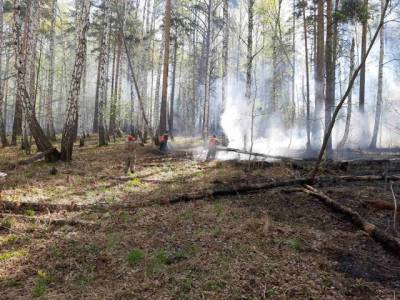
(6, 223)
(271, 292)
(10, 254)
(113, 239)
(135, 256)
(135, 182)
(158, 262)
(30, 212)
(218, 208)
(43, 279)
(39, 289)
(295, 244)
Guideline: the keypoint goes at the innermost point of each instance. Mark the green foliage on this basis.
(272, 292)
(352, 11)
(158, 262)
(10, 254)
(113, 239)
(135, 256)
(218, 208)
(6, 223)
(30, 212)
(43, 279)
(295, 244)
(135, 182)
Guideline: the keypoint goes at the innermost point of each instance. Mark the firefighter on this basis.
(212, 147)
(164, 143)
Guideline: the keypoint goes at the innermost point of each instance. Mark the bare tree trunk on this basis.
(71, 121)
(50, 131)
(96, 98)
(378, 112)
(23, 49)
(156, 112)
(205, 125)
(3, 136)
(275, 71)
(172, 96)
(308, 145)
(167, 37)
(102, 81)
(330, 74)
(349, 100)
(114, 94)
(363, 51)
(319, 73)
(225, 52)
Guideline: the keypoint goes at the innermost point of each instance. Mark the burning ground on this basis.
(90, 231)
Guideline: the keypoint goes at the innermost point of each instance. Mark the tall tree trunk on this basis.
(167, 37)
(104, 46)
(23, 50)
(319, 72)
(363, 51)
(225, 52)
(71, 121)
(379, 101)
(249, 69)
(3, 137)
(330, 73)
(50, 131)
(205, 125)
(114, 97)
(249, 64)
(96, 98)
(172, 96)
(156, 112)
(275, 63)
(349, 100)
(308, 145)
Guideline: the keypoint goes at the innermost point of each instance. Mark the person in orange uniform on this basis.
(212, 147)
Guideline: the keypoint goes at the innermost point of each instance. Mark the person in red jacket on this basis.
(212, 147)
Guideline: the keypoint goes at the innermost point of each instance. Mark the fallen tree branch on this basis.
(50, 221)
(387, 241)
(231, 190)
(380, 204)
(394, 207)
(284, 158)
(15, 206)
(36, 157)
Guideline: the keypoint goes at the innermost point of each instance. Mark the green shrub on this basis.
(135, 256)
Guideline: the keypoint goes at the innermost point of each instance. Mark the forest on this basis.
(199, 149)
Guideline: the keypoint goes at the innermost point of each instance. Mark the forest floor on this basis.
(103, 235)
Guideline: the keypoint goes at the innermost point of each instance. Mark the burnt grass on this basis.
(276, 244)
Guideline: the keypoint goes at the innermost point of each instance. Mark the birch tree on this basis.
(71, 120)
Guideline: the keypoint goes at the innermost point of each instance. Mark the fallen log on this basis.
(232, 190)
(15, 206)
(49, 221)
(227, 190)
(278, 157)
(36, 157)
(386, 240)
(380, 204)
